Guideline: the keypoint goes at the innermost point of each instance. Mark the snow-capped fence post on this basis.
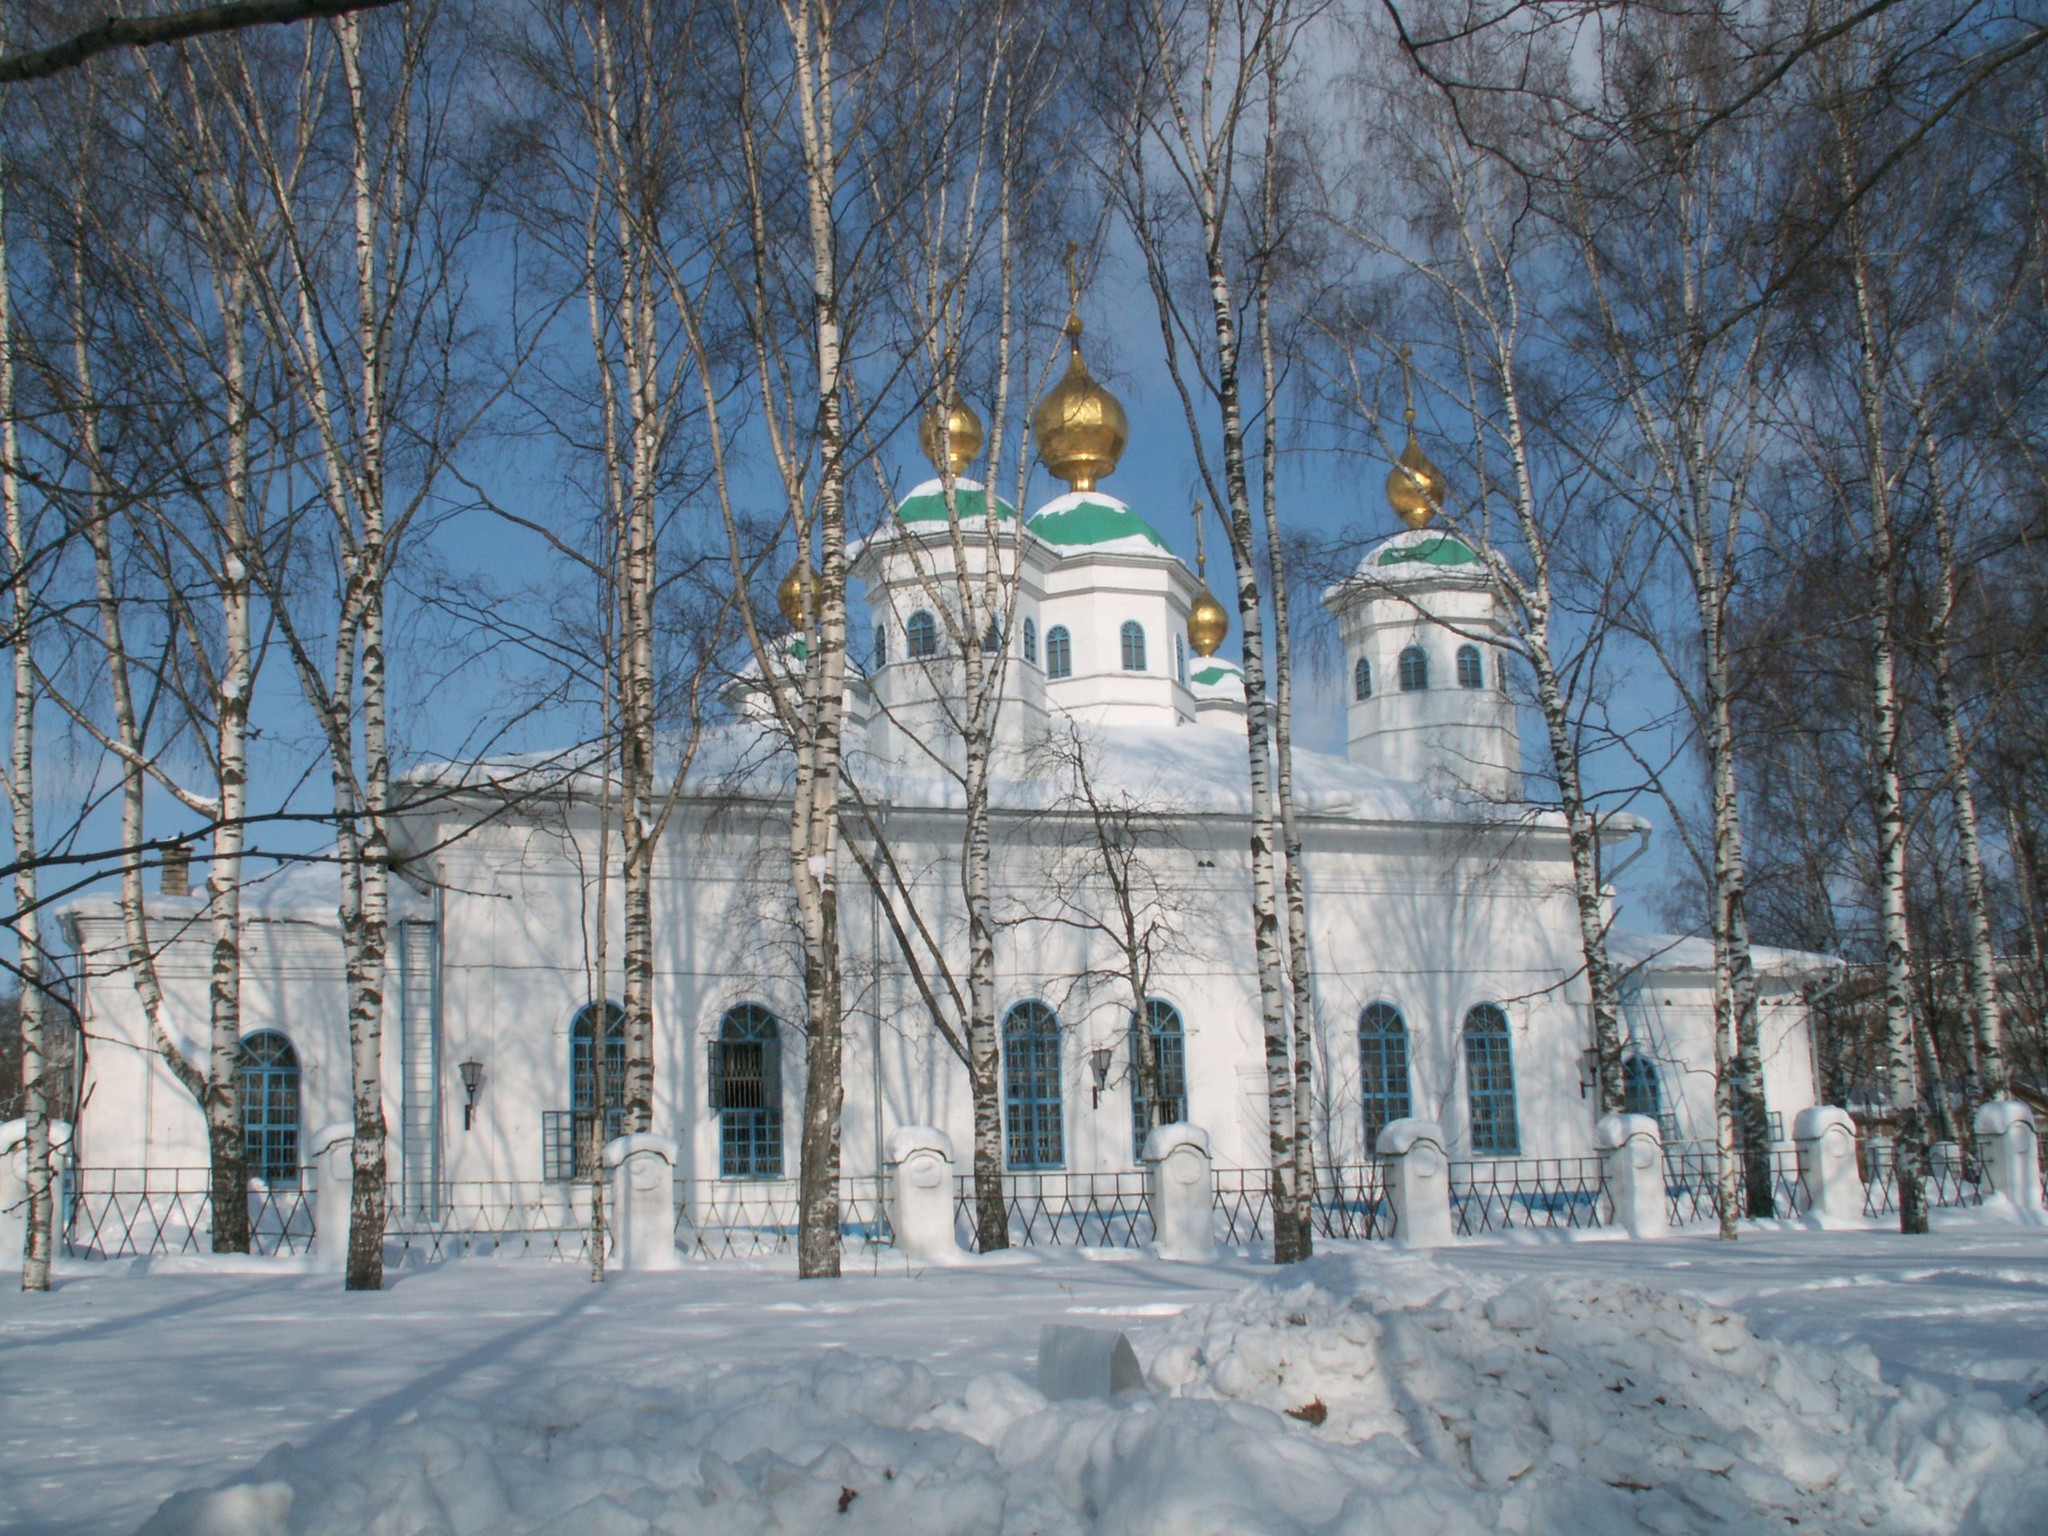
(1418, 1180)
(2008, 1145)
(921, 1195)
(333, 1148)
(1826, 1139)
(1180, 1186)
(1632, 1168)
(14, 1189)
(643, 1202)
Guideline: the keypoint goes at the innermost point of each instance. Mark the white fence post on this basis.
(1826, 1139)
(643, 1202)
(333, 1148)
(1180, 1186)
(1418, 1182)
(2008, 1145)
(921, 1195)
(1632, 1167)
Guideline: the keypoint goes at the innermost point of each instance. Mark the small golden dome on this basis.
(964, 440)
(1415, 486)
(1208, 623)
(797, 593)
(1080, 427)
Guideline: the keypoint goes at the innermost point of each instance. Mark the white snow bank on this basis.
(1388, 1393)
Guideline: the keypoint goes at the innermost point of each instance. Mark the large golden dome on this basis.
(1079, 426)
(964, 435)
(1415, 486)
(1208, 623)
(797, 593)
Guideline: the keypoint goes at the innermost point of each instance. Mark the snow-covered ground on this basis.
(1878, 1383)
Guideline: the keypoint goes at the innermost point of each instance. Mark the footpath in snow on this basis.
(1846, 1382)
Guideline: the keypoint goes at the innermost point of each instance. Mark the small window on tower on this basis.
(1471, 673)
(1059, 652)
(1414, 670)
(1134, 646)
(921, 636)
(1361, 680)
(1031, 641)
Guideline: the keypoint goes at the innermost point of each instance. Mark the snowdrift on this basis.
(1361, 1394)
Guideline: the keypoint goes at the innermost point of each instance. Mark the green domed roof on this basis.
(1443, 549)
(1090, 520)
(927, 504)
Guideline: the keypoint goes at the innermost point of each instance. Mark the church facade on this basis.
(1443, 938)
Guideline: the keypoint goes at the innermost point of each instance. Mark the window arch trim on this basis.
(1131, 637)
(1385, 1085)
(1471, 670)
(1059, 652)
(1034, 1130)
(1414, 669)
(745, 1077)
(921, 636)
(1361, 681)
(267, 1073)
(1490, 1082)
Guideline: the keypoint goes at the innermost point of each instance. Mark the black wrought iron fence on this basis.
(1692, 1182)
(757, 1218)
(124, 1213)
(1068, 1210)
(1509, 1193)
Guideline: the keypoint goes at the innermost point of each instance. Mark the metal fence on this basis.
(1692, 1182)
(114, 1213)
(1069, 1210)
(1510, 1193)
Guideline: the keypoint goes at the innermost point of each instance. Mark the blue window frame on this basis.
(1170, 1044)
(1059, 652)
(1032, 1117)
(1180, 659)
(1361, 680)
(1383, 1069)
(1490, 1083)
(267, 1074)
(921, 636)
(746, 1093)
(881, 645)
(1641, 1093)
(588, 1133)
(1471, 672)
(1133, 636)
(1414, 670)
(1031, 641)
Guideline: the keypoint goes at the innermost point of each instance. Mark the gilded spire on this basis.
(961, 440)
(1208, 622)
(1415, 486)
(1080, 427)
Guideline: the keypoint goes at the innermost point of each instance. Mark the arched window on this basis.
(267, 1073)
(1641, 1093)
(1383, 1069)
(991, 638)
(1031, 1088)
(1133, 634)
(1031, 641)
(1490, 1083)
(1180, 659)
(1361, 680)
(588, 1131)
(1170, 1047)
(921, 636)
(1471, 673)
(1059, 652)
(1414, 669)
(746, 1093)
(881, 645)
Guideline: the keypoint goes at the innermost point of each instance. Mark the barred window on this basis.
(921, 636)
(1361, 680)
(1133, 634)
(1641, 1093)
(1471, 673)
(267, 1073)
(1490, 1082)
(1059, 652)
(746, 1093)
(590, 1129)
(1170, 1051)
(1032, 1118)
(1414, 670)
(1383, 1069)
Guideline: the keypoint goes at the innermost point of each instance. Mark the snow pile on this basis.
(1389, 1394)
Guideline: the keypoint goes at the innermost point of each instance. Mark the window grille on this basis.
(1031, 641)
(1490, 1082)
(1031, 1088)
(921, 636)
(1170, 1048)
(1471, 673)
(1383, 1070)
(1361, 680)
(267, 1069)
(746, 1093)
(1059, 652)
(571, 1141)
(1133, 634)
(1414, 670)
(1641, 1093)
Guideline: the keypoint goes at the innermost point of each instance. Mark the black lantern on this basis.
(472, 1079)
(1098, 1063)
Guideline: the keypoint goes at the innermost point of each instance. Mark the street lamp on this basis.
(1098, 1063)
(472, 1072)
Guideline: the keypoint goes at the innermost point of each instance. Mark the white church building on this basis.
(1443, 937)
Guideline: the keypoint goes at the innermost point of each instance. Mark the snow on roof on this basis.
(308, 887)
(1667, 953)
(1414, 554)
(1096, 523)
(1215, 678)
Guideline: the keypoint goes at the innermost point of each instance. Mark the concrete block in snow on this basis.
(1086, 1362)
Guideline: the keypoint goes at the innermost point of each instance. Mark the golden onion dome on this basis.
(1079, 426)
(796, 593)
(1415, 486)
(962, 440)
(1208, 623)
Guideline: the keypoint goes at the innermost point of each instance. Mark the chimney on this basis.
(175, 879)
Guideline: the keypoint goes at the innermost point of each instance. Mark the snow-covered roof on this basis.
(1212, 677)
(308, 888)
(1096, 523)
(1676, 953)
(926, 503)
(1412, 555)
